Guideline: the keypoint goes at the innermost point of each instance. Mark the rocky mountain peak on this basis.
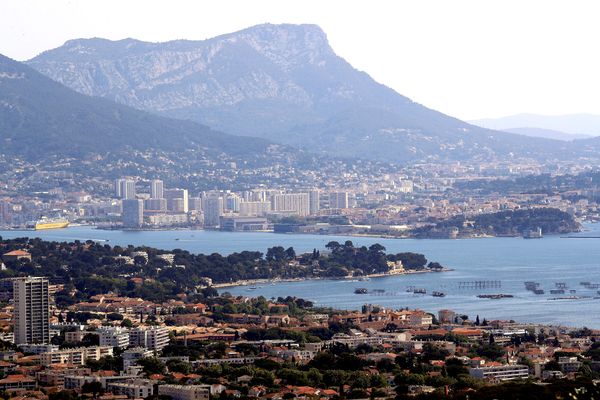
(288, 44)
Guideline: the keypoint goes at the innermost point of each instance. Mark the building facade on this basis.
(32, 314)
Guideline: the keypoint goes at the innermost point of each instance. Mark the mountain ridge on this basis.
(581, 124)
(283, 83)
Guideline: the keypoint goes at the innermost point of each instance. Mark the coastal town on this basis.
(299, 200)
(88, 338)
(423, 202)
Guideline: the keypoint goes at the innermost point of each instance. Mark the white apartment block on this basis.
(254, 208)
(185, 392)
(153, 338)
(32, 313)
(78, 356)
(500, 372)
(114, 337)
(134, 389)
(296, 203)
(130, 356)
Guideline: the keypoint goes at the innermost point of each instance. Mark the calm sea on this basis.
(551, 261)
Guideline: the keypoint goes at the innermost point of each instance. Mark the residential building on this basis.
(338, 200)
(153, 338)
(131, 356)
(177, 200)
(31, 315)
(500, 372)
(134, 389)
(293, 203)
(213, 210)
(133, 213)
(114, 337)
(158, 204)
(125, 188)
(77, 356)
(254, 208)
(185, 392)
(157, 189)
(314, 200)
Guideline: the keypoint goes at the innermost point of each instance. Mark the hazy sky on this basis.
(469, 59)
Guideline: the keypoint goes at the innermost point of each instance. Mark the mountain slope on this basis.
(40, 117)
(282, 82)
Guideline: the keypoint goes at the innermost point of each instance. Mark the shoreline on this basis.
(252, 282)
(562, 235)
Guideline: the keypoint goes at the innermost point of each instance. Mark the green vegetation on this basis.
(503, 223)
(89, 268)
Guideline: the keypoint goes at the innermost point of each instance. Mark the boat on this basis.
(47, 223)
(495, 296)
(533, 233)
(360, 291)
(438, 294)
(420, 291)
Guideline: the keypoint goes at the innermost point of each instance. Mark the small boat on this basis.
(360, 291)
(438, 294)
(420, 291)
(538, 291)
(495, 296)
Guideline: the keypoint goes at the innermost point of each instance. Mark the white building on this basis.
(153, 338)
(133, 213)
(31, 315)
(338, 200)
(155, 204)
(254, 208)
(177, 200)
(185, 392)
(213, 210)
(500, 372)
(314, 200)
(77, 356)
(131, 356)
(114, 337)
(157, 189)
(125, 188)
(295, 203)
(134, 389)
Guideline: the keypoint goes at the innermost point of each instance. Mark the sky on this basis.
(469, 59)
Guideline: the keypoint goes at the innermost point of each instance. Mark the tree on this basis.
(152, 365)
(290, 253)
(63, 395)
(114, 317)
(126, 323)
(95, 388)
